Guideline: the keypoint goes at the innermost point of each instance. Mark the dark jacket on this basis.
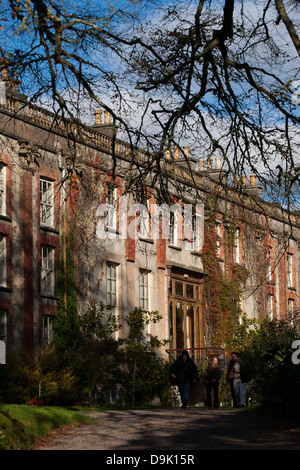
(247, 369)
(184, 370)
(213, 374)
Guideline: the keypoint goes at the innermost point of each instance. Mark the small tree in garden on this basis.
(51, 385)
(146, 375)
(276, 377)
(98, 353)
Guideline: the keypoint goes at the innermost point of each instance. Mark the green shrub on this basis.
(275, 379)
(145, 375)
(15, 380)
(55, 387)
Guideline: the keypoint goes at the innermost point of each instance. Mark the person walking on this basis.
(212, 379)
(183, 372)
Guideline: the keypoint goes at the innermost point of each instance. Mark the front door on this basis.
(185, 312)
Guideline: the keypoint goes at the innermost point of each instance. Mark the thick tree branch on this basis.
(288, 24)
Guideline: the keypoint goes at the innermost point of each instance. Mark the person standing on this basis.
(246, 372)
(230, 376)
(237, 380)
(212, 378)
(184, 372)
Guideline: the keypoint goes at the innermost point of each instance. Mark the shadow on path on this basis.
(176, 429)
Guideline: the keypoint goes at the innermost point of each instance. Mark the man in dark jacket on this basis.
(183, 373)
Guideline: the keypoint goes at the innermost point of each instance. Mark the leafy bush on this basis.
(15, 380)
(99, 367)
(145, 375)
(268, 355)
(98, 355)
(55, 387)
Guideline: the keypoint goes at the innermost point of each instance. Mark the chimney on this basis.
(106, 117)
(98, 117)
(186, 162)
(216, 173)
(244, 180)
(176, 153)
(107, 128)
(253, 188)
(201, 165)
(10, 86)
(167, 154)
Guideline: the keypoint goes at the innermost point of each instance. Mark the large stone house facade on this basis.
(40, 205)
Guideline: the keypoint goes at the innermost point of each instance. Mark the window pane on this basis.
(47, 330)
(112, 204)
(236, 247)
(290, 270)
(46, 202)
(190, 326)
(189, 291)
(179, 326)
(111, 284)
(179, 289)
(144, 221)
(47, 269)
(144, 301)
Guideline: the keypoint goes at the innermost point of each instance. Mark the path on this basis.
(175, 429)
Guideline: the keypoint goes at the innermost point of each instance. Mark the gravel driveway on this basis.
(174, 430)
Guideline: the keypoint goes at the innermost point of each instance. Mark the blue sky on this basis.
(136, 101)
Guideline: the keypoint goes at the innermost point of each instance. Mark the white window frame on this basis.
(2, 189)
(112, 284)
(270, 307)
(112, 288)
(289, 263)
(47, 330)
(3, 261)
(291, 311)
(195, 237)
(218, 241)
(236, 246)
(47, 269)
(173, 228)
(46, 202)
(144, 288)
(112, 207)
(144, 220)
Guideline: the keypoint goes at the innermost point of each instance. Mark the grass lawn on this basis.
(22, 425)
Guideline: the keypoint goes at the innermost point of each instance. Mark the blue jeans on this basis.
(184, 389)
